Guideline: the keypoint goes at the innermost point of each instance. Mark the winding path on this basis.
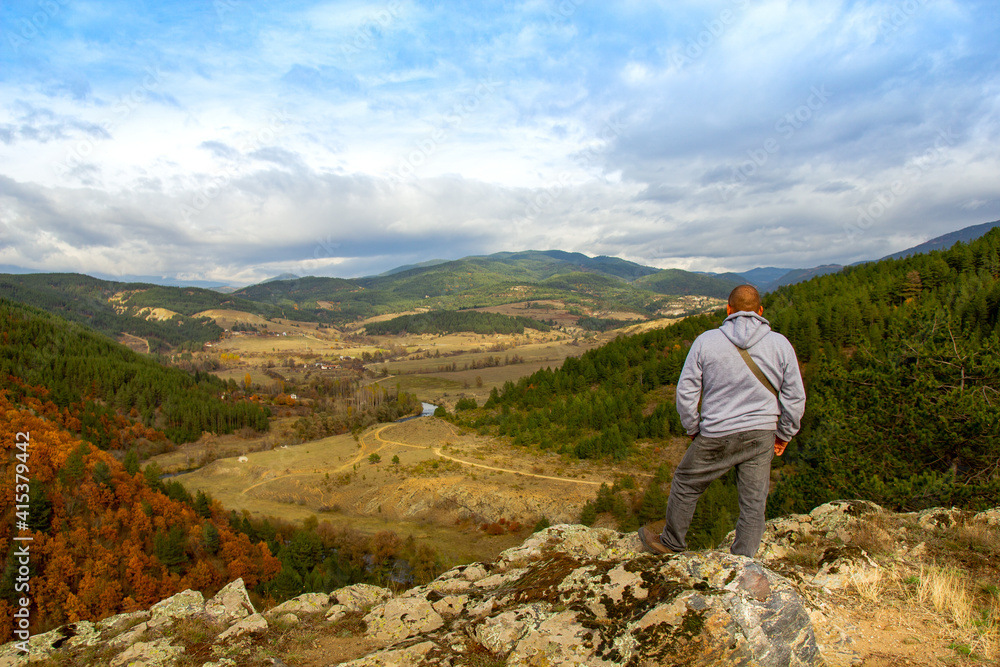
(367, 449)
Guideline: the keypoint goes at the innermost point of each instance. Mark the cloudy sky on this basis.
(232, 140)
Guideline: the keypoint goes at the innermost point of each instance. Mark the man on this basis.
(752, 398)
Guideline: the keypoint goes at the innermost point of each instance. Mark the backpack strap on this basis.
(755, 369)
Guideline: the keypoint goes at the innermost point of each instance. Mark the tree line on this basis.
(82, 368)
(451, 321)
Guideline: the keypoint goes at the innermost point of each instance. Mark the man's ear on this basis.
(729, 310)
(760, 311)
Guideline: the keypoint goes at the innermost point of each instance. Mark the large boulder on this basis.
(230, 604)
(572, 595)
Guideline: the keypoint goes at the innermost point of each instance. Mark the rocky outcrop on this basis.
(569, 595)
(572, 595)
(152, 638)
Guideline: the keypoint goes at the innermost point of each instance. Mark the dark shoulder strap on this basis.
(755, 369)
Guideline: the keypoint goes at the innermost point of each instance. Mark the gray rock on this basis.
(400, 618)
(602, 603)
(157, 653)
(184, 604)
(309, 603)
(990, 517)
(396, 657)
(840, 566)
(942, 518)
(250, 625)
(230, 604)
(360, 597)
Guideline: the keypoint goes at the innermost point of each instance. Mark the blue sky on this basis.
(232, 140)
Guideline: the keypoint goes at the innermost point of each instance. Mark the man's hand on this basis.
(779, 446)
(694, 435)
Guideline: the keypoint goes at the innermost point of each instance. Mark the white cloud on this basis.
(347, 138)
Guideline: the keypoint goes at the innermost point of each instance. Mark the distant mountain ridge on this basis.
(945, 241)
(600, 283)
(768, 282)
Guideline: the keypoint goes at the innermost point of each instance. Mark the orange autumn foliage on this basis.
(97, 556)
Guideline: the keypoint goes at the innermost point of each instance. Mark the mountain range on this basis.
(168, 315)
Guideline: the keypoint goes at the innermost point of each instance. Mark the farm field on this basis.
(444, 487)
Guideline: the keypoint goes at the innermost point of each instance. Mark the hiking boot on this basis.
(651, 542)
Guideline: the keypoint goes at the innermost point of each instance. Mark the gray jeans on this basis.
(707, 459)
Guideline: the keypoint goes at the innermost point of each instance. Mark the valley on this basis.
(269, 435)
(449, 482)
(422, 477)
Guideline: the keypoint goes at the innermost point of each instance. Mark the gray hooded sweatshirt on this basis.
(732, 398)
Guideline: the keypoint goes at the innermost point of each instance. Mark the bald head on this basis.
(744, 298)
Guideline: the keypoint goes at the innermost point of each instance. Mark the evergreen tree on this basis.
(210, 537)
(40, 516)
(170, 547)
(203, 505)
(131, 462)
(74, 467)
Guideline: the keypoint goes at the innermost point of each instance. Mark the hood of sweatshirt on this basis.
(745, 328)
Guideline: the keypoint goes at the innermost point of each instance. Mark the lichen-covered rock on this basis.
(308, 603)
(158, 653)
(184, 604)
(361, 597)
(941, 518)
(250, 625)
(599, 602)
(230, 604)
(288, 620)
(573, 540)
(501, 633)
(990, 517)
(450, 606)
(400, 618)
(395, 657)
(119, 622)
(130, 636)
(840, 566)
(355, 598)
(72, 636)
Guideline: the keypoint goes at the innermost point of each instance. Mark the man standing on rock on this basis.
(752, 398)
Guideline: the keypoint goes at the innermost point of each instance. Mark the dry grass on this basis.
(946, 592)
(872, 533)
(871, 584)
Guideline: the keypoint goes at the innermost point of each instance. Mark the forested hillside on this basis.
(676, 281)
(448, 321)
(88, 301)
(903, 378)
(109, 537)
(100, 381)
(902, 367)
(104, 537)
